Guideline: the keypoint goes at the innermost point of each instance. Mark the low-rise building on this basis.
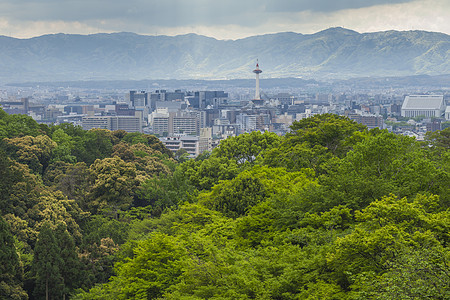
(190, 143)
(423, 105)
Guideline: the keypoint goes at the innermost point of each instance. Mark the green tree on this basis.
(313, 141)
(94, 144)
(9, 177)
(165, 191)
(235, 197)
(148, 162)
(47, 263)
(12, 126)
(11, 272)
(328, 130)
(114, 184)
(439, 139)
(155, 265)
(245, 148)
(71, 180)
(181, 155)
(393, 236)
(64, 148)
(70, 268)
(33, 151)
(379, 165)
(204, 174)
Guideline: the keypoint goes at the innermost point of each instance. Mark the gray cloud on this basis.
(170, 13)
(324, 5)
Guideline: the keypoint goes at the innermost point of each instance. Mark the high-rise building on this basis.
(203, 99)
(164, 122)
(159, 121)
(138, 99)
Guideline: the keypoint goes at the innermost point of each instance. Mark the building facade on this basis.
(423, 105)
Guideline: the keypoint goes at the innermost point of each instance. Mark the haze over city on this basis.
(231, 19)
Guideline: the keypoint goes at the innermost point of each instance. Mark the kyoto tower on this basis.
(257, 71)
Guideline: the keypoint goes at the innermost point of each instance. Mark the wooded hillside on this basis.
(329, 211)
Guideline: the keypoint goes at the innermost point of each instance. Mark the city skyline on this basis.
(227, 20)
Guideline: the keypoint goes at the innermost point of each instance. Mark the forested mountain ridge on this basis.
(332, 53)
(329, 211)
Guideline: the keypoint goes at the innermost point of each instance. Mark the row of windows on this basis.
(416, 113)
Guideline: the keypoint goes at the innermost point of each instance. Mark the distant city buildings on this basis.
(197, 120)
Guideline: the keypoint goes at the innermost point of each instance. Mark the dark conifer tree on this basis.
(47, 263)
(70, 267)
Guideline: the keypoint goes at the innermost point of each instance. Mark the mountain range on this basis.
(332, 53)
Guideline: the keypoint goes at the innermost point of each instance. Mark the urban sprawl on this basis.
(198, 120)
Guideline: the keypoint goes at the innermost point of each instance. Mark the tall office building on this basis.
(138, 99)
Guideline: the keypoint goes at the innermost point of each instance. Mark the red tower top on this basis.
(257, 70)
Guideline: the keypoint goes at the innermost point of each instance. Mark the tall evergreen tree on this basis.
(47, 264)
(70, 267)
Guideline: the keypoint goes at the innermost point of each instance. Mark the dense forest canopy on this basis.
(329, 211)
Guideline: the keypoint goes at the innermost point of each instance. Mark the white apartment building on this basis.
(190, 143)
(127, 123)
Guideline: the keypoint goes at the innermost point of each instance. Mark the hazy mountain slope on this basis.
(336, 52)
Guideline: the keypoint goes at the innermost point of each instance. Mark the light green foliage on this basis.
(377, 166)
(204, 174)
(328, 130)
(395, 236)
(245, 148)
(53, 208)
(329, 211)
(155, 265)
(65, 145)
(313, 141)
(12, 126)
(235, 197)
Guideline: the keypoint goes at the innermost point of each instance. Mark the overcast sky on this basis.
(222, 19)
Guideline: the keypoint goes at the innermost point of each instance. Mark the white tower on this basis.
(257, 71)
